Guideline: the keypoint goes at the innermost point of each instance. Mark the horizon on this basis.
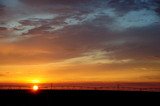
(116, 86)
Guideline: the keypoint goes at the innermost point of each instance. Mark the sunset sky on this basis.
(79, 40)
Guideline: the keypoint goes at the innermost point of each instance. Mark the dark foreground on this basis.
(52, 97)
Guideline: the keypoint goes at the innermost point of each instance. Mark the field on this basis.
(51, 94)
(52, 97)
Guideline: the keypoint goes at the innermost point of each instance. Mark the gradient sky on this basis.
(80, 40)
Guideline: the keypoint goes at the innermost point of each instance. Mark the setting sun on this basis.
(35, 87)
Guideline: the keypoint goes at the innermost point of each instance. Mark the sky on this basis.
(79, 40)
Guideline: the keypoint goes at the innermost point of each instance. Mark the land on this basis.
(50, 94)
(65, 97)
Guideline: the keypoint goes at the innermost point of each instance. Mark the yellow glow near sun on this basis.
(35, 81)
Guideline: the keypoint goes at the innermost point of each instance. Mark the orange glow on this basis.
(35, 88)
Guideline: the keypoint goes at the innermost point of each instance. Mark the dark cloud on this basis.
(57, 46)
(3, 32)
(88, 29)
(138, 44)
(2, 10)
(133, 65)
(2, 75)
(43, 2)
(152, 77)
(134, 45)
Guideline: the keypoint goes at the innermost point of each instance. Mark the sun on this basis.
(35, 87)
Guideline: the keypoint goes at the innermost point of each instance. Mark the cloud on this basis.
(48, 2)
(10, 3)
(2, 11)
(62, 32)
(2, 75)
(60, 46)
(71, 44)
(132, 19)
(152, 77)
